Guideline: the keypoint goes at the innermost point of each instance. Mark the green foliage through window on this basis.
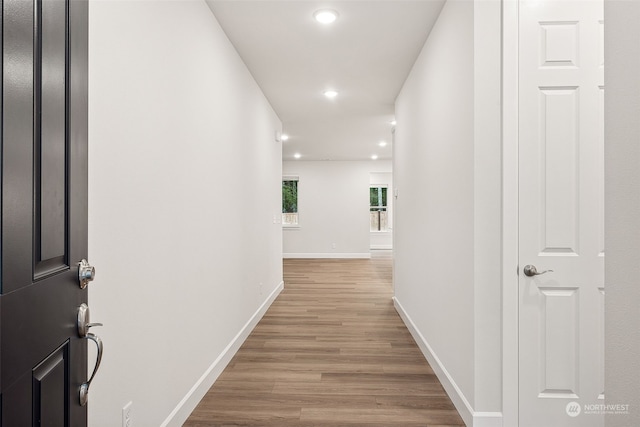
(377, 197)
(378, 208)
(289, 196)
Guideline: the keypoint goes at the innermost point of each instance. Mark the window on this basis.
(290, 201)
(378, 208)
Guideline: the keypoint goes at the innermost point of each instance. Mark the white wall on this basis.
(622, 210)
(487, 179)
(447, 217)
(184, 186)
(333, 208)
(433, 172)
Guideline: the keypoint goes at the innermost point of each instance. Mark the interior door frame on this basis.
(510, 212)
(510, 219)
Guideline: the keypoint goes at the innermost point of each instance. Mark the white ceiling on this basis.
(365, 55)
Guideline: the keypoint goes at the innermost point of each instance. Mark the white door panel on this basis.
(561, 210)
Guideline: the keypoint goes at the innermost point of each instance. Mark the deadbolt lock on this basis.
(86, 273)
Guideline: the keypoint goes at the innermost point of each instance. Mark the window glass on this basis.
(289, 202)
(378, 214)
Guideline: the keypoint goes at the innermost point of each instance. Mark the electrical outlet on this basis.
(333, 246)
(127, 420)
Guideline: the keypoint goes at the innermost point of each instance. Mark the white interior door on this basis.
(561, 186)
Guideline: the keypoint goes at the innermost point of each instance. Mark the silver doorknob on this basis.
(531, 270)
(86, 273)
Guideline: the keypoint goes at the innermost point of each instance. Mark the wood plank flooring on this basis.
(330, 351)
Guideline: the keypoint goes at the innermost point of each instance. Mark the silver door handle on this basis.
(84, 388)
(531, 270)
(83, 326)
(83, 321)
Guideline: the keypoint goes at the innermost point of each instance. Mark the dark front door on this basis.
(43, 361)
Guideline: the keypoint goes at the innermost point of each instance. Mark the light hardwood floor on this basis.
(330, 351)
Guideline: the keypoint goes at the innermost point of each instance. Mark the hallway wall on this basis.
(184, 190)
(433, 173)
(447, 227)
(333, 206)
(622, 210)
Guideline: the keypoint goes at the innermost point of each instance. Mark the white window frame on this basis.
(297, 225)
(386, 207)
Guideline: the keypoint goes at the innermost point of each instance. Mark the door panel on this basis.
(51, 389)
(17, 146)
(44, 215)
(561, 211)
(51, 114)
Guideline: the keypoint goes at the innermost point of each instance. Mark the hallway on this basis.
(331, 351)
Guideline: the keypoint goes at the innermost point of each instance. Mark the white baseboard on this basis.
(327, 255)
(380, 247)
(487, 419)
(470, 418)
(179, 415)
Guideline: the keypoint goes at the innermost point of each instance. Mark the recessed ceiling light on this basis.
(330, 94)
(381, 143)
(393, 122)
(284, 137)
(325, 16)
(374, 157)
(297, 155)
